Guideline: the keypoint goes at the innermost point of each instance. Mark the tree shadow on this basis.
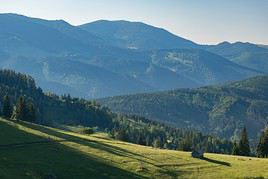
(56, 159)
(216, 161)
(175, 164)
(90, 143)
(81, 140)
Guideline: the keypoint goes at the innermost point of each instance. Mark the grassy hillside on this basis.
(33, 151)
(223, 110)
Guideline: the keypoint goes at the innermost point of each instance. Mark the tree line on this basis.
(142, 131)
(243, 148)
(22, 110)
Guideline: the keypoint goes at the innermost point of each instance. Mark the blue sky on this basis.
(203, 21)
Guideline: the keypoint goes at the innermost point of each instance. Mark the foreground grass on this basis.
(42, 152)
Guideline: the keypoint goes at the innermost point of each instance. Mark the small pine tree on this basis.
(235, 150)
(7, 108)
(244, 148)
(148, 140)
(262, 148)
(121, 135)
(157, 143)
(21, 109)
(31, 113)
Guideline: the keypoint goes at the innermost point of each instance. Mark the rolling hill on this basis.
(84, 62)
(222, 110)
(34, 151)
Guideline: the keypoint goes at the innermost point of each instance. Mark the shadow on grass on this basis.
(56, 160)
(82, 141)
(175, 164)
(216, 161)
(90, 143)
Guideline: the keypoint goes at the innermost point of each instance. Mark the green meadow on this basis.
(34, 151)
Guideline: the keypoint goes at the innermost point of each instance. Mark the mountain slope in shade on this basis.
(20, 31)
(245, 54)
(136, 35)
(65, 76)
(176, 68)
(222, 110)
(200, 66)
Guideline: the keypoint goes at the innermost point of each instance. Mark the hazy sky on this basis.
(203, 21)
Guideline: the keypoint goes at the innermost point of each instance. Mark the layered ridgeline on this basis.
(222, 110)
(108, 58)
(245, 54)
(59, 111)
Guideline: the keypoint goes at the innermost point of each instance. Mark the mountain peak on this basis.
(138, 35)
(224, 43)
(34, 19)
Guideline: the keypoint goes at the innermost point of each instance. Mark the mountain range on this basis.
(108, 58)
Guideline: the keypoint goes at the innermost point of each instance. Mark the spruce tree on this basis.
(244, 148)
(262, 148)
(235, 150)
(21, 109)
(31, 113)
(7, 108)
(157, 143)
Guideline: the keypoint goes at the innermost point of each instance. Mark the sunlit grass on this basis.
(71, 155)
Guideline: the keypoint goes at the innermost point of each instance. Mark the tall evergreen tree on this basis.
(7, 108)
(31, 113)
(157, 143)
(235, 150)
(21, 109)
(262, 148)
(244, 148)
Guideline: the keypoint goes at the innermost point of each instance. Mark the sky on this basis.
(202, 21)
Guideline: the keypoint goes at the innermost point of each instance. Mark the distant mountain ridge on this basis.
(245, 54)
(107, 58)
(136, 35)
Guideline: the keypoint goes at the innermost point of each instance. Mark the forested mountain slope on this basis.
(223, 110)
